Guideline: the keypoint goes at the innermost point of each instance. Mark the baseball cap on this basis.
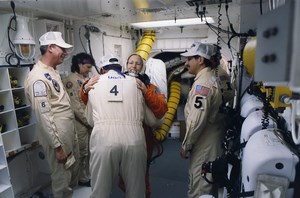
(214, 49)
(54, 38)
(109, 59)
(199, 49)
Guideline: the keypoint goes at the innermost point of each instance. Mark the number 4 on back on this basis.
(115, 92)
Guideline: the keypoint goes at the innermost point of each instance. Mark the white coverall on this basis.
(55, 121)
(116, 109)
(73, 83)
(227, 88)
(204, 129)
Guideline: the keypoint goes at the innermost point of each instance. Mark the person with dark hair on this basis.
(55, 118)
(227, 88)
(204, 122)
(80, 68)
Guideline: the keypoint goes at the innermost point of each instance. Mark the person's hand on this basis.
(184, 153)
(140, 85)
(89, 85)
(60, 155)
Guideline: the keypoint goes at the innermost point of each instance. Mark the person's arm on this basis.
(76, 103)
(38, 93)
(89, 112)
(155, 101)
(86, 87)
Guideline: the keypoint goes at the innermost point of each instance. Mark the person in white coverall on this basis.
(80, 68)
(227, 88)
(55, 118)
(116, 110)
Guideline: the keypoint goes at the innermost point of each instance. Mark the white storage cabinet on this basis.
(17, 122)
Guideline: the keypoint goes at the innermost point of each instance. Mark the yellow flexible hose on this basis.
(143, 50)
(146, 43)
(173, 101)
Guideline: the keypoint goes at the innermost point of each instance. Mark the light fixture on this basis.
(23, 42)
(169, 23)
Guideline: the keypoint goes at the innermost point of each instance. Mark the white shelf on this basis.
(4, 79)
(6, 101)
(6, 191)
(4, 188)
(2, 167)
(20, 124)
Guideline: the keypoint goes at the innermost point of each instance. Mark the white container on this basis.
(252, 124)
(174, 131)
(250, 105)
(265, 154)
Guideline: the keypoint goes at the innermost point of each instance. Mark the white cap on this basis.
(214, 48)
(54, 38)
(109, 59)
(199, 49)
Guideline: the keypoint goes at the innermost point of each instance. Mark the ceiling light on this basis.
(24, 43)
(169, 23)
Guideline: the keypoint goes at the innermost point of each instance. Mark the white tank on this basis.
(250, 105)
(246, 97)
(252, 124)
(265, 154)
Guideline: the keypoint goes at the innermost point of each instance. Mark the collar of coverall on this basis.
(115, 67)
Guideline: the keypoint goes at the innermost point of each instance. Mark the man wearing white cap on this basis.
(116, 109)
(204, 124)
(55, 118)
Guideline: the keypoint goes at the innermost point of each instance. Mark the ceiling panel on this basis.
(120, 12)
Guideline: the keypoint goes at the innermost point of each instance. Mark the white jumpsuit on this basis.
(73, 83)
(55, 121)
(116, 110)
(227, 88)
(204, 129)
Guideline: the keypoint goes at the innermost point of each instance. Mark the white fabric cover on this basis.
(156, 70)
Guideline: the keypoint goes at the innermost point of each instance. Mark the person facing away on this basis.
(204, 123)
(155, 102)
(116, 110)
(80, 68)
(55, 119)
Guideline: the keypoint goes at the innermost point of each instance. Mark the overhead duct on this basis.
(146, 44)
